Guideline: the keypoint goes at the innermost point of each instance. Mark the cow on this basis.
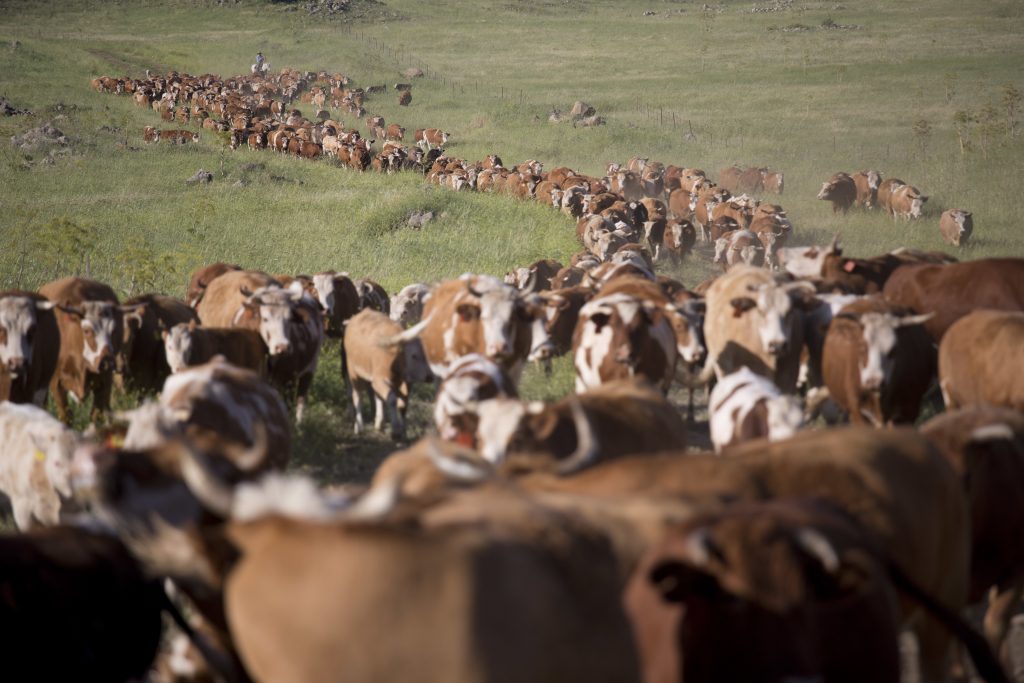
(407, 305)
(877, 361)
(179, 137)
(906, 202)
(29, 346)
(886, 189)
(981, 360)
(535, 277)
(376, 126)
(221, 302)
(841, 190)
(429, 138)
(625, 417)
(470, 380)
(91, 333)
(753, 320)
(953, 290)
(769, 591)
(394, 132)
(405, 98)
(291, 324)
(145, 364)
(36, 464)
(376, 365)
(956, 226)
(220, 408)
(868, 275)
(202, 278)
(867, 183)
(339, 298)
(891, 482)
(477, 314)
(738, 247)
(81, 593)
(745, 406)
(187, 345)
(372, 296)
(622, 333)
(985, 445)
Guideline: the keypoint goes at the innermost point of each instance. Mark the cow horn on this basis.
(45, 305)
(586, 446)
(378, 501)
(211, 492)
(531, 281)
(457, 467)
(915, 319)
(833, 246)
(245, 291)
(993, 432)
(699, 548)
(814, 543)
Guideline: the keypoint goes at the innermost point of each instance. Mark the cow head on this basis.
(407, 305)
(471, 380)
(496, 306)
(874, 179)
(774, 305)
(178, 345)
(275, 307)
(612, 328)
(964, 226)
(879, 335)
(687, 322)
(18, 330)
(827, 190)
(102, 333)
(914, 200)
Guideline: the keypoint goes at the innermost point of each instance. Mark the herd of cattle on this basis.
(565, 541)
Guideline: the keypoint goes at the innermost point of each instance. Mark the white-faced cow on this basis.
(745, 406)
(29, 345)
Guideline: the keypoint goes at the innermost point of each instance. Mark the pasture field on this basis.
(925, 91)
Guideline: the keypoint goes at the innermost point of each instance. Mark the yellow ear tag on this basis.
(40, 456)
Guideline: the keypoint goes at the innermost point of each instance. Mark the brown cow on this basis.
(985, 445)
(202, 277)
(841, 190)
(428, 138)
(867, 183)
(954, 290)
(394, 132)
(91, 334)
(405, 98)
(187, 345)
(906, 202)
(956, 226)
(886, 189)
(375, 365)
(878, 362)
(534, 278)
(981, 360)
(29, 346)
(144, 363)
(471, 379)
(869, 275)
(221, 303)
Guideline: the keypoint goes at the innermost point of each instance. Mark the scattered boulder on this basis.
(417, 219)
(241, 182)
(252, 168)
(581, 110)
(200, 176)
(45, 136)
(413, 73)
(7, 110)
(589, 121)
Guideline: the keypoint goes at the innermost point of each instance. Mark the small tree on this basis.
(922, 131)
(962, 120)
(1011, 102)
(988, 127)
(62, 246)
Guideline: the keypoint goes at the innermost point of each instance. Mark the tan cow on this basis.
(867, 183)
(956, 226)
(981, 360)
(375, 365)
(906, 202)
(753, 320)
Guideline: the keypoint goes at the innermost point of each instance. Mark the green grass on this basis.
(809, 103)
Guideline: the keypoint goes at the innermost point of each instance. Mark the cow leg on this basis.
(546, 364)
(397, 419)
(689, 405)
(60, 400)
(378, 415)
(102, 385)
(302, 392)
(933, 648)
(356, 405)
(1002, 604)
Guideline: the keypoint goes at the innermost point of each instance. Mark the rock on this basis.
(581, 110)
(555, 116)
(413, 73)
(253, 167)
(417, 219)
(7, 110)
(649, 13)
(241, 182)
(46, 135)
(589, 121)
(200, 176)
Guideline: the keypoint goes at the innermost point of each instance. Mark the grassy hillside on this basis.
(806, 87)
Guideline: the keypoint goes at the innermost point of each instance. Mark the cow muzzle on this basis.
(777, 348)
(15, 366)
(280, 348)
(498, 350)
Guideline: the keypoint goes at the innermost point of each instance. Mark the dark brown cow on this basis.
(82, 594)
(202, 277)
(954, 290)
(985, 445)
(841, 190)
(152, 315)
(981, 360)
(869, 275)
(187, 345)
(91, 334)
(340, 299)
(372, 296)
(878, 362)
(29, 346)
(534, 278)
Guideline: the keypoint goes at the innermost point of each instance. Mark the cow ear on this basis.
(675, 581)
(741, 305)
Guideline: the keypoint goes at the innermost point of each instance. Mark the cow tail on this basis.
(981, 654)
